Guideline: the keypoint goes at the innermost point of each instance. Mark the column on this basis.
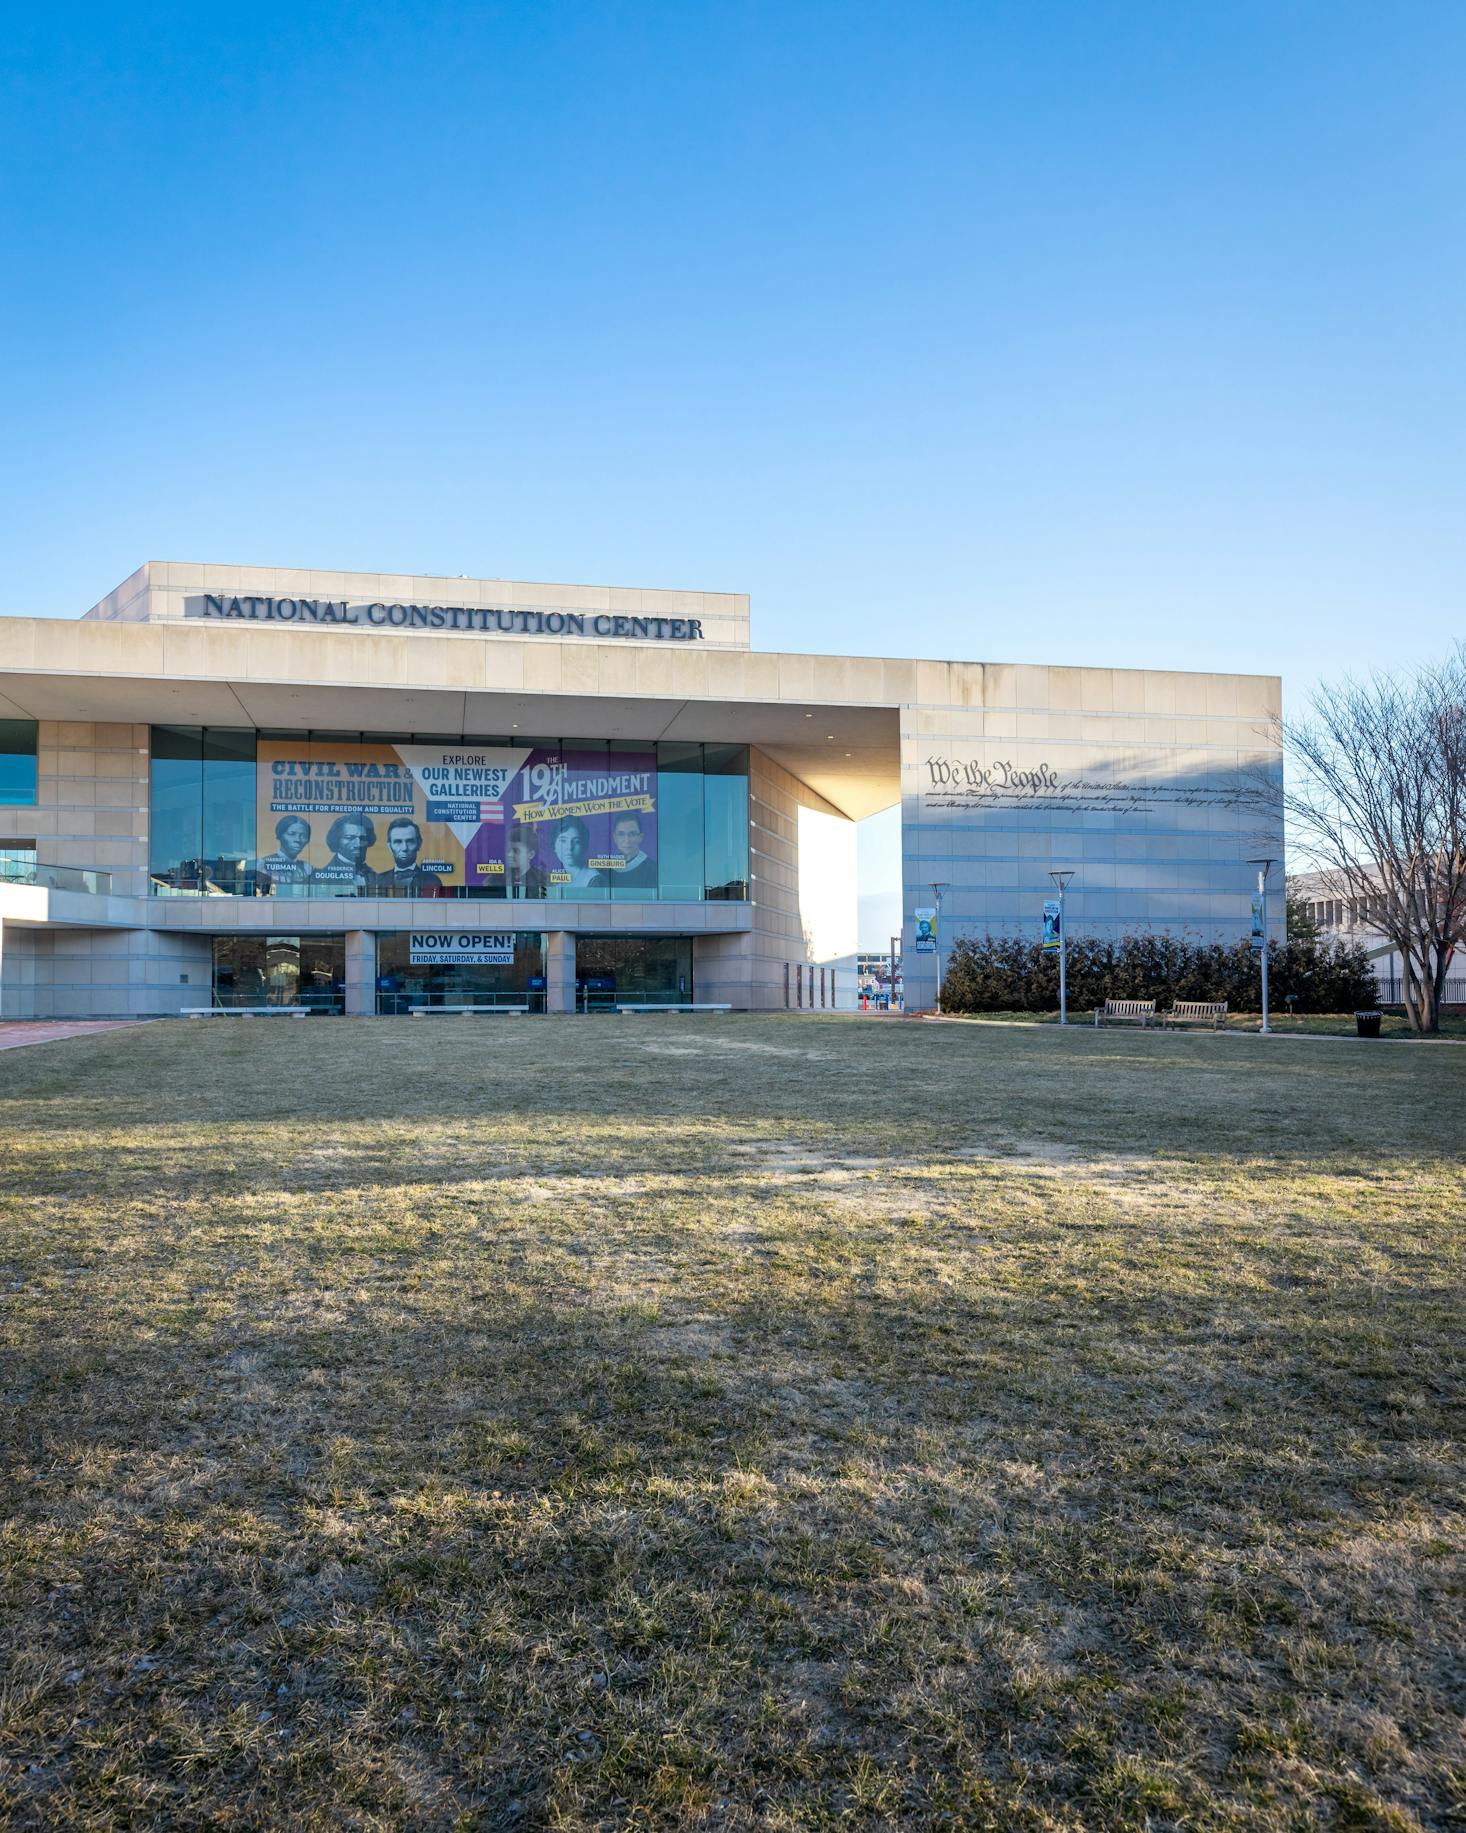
(361, 973)
(560, 971)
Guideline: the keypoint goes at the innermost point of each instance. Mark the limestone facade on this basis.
(1142, 782)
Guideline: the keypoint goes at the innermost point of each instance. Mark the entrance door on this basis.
(403, 985)
(281, 971)
(632, 970)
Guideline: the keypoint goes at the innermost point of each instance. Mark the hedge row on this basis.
(1005, 974)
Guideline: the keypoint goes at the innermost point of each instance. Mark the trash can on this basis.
(1368, 1023)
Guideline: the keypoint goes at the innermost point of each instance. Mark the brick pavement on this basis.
(15, 1032)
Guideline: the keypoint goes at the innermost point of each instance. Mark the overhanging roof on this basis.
(846, 749)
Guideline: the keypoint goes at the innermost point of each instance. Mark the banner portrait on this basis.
(414, 819)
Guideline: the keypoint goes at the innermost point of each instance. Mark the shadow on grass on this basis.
(856, 1557)
(446, 1432)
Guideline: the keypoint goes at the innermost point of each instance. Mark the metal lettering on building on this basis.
(478, 620)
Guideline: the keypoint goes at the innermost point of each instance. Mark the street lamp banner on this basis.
(1053, 922)
(925, 942)
(1257, 936)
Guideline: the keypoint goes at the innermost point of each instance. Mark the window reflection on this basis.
(307, 971)
(635, 970)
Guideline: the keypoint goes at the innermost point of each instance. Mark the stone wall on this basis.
(775, 798)
(1143, 783)
(91, 801)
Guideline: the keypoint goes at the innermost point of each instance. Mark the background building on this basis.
(1341, 916)
(364, 792)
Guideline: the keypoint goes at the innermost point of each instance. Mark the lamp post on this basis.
(937, 890)
(891, 1005)
(1061, 879)
(1264, 866)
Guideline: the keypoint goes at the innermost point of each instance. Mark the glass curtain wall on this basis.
(725, 820)
(583, 821)
(636, 970)
(680, 820)
(305, 971)
(202, 826)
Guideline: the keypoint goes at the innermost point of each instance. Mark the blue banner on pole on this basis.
(1053, 922)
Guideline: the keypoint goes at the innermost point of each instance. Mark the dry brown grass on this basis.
(734, 1423)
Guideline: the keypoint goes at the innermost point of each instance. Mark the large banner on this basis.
(415, 819)
(461, 948)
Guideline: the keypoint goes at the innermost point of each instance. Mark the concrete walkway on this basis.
(17, 1031)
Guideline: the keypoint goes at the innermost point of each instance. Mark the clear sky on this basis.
(1119, 333)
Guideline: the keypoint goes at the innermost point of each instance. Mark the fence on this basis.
(1392, 990)
(55, 878)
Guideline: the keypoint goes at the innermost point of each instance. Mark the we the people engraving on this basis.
(999, 783)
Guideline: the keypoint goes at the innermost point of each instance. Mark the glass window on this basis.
(17, 763)
(176, 802)
(202, 810)
(17, 862)
(641, 970)
(229, 808)
(725, 812)
(281, 971)
(680, 820)
(401, 984)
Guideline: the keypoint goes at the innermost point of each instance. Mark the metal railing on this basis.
(400, 1004)
(315, 999)
(607, 999)
(1392, 990)
(239, 878)
(56, 878)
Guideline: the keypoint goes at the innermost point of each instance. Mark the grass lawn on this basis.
(780, 1423)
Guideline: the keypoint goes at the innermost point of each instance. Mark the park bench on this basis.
(676, 1006)
(245, 1012)
(465, 1011)
(1125, 1012)
(1211, 1012)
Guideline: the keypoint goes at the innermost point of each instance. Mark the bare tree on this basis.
(1376, 800)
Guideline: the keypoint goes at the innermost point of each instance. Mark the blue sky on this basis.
(1106, 333)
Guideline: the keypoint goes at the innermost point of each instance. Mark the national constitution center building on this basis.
(365, 793)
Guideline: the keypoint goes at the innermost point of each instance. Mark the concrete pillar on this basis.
(361, 973)
(560, 971)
